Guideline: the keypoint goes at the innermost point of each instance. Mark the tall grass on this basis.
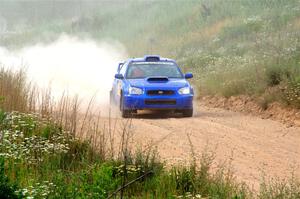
(13, 90)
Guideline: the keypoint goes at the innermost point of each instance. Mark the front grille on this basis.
(160, 92)
(160, 102)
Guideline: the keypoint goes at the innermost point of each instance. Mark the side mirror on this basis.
(188, 76)
(120, 66)
(119, 76)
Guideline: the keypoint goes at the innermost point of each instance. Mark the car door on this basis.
(118, 83)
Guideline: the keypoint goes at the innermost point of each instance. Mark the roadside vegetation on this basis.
(45, 153)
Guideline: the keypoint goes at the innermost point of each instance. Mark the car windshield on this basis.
(140, 70)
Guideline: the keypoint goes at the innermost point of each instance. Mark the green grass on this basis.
(233, 47)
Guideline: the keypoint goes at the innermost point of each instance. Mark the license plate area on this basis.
(160, 102)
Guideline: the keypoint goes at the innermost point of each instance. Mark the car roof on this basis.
(144, 59)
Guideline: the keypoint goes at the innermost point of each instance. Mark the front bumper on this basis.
(141, 102)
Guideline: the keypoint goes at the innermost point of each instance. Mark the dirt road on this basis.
(252, 144)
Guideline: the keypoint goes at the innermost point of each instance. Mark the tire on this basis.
(124, 113)
(187, 113)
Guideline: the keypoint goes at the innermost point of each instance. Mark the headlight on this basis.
(184, 91)
(135, 91)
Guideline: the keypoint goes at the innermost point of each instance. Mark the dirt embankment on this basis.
(276, 111)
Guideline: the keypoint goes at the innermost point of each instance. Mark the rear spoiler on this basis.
(152, 58)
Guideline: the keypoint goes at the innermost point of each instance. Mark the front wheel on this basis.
(125, 113)
(187, 113)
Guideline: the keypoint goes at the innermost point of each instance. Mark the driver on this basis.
(137, 72)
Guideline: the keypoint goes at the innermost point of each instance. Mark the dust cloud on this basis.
(78, 66)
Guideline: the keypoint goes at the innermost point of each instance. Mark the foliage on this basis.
(276, 188)
(7, 188)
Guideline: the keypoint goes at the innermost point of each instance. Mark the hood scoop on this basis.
(157, 79)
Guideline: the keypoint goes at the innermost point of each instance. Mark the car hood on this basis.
(171, 83)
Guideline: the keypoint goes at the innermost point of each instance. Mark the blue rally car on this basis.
(153, 83)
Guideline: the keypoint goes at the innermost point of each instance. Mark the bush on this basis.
(104, 181)
(274, 76)
(291, 92)
(7, 189)
(2, 117)
(281, 189)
